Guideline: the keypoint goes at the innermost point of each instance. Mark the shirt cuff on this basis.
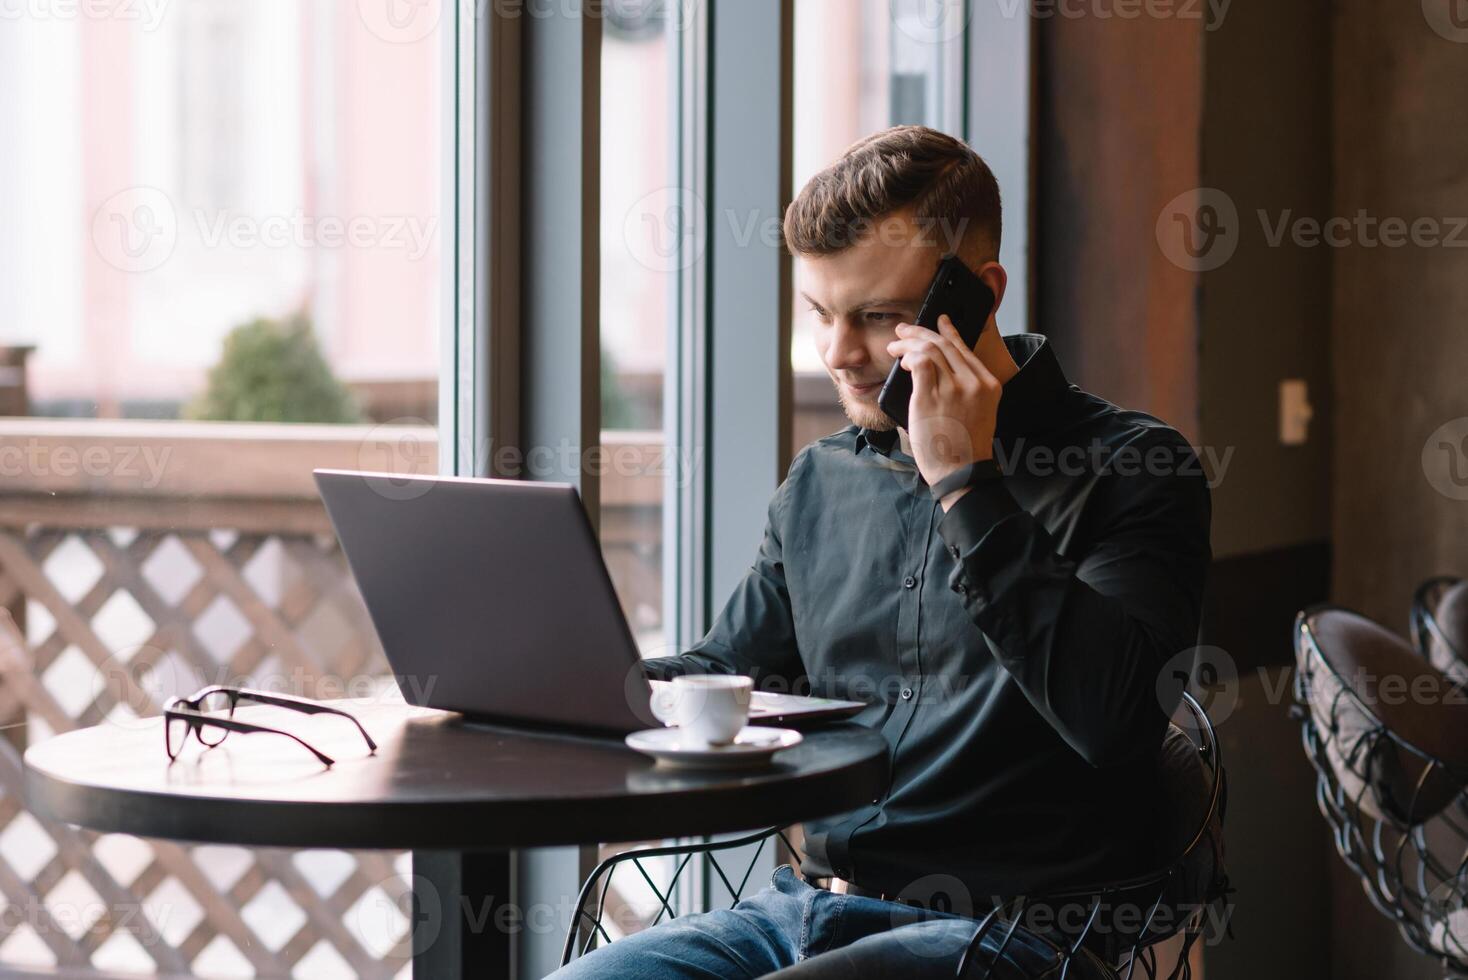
(663, 668)
(967, 521)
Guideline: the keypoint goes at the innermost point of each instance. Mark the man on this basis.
(1010, 635)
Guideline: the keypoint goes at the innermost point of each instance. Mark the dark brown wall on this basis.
(1279, 853)
(1131, 115)
(1265, 312)
(1120, 105)
(1322, 109)
(1265, 317)
(1400, 351)
(1401, 314)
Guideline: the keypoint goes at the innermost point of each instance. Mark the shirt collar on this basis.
(1029, 399)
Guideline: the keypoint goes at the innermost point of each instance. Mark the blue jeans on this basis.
(792, 931)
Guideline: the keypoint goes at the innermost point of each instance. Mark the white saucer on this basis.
(753, 746)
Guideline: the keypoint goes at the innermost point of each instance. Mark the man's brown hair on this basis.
(948, 188)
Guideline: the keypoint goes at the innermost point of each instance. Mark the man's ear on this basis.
(994, 276)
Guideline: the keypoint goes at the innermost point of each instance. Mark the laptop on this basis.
(491, 599)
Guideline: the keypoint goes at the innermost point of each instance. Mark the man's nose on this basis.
(847, 350)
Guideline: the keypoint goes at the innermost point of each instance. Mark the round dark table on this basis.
(459, 794)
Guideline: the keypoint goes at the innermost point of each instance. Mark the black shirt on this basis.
(1012, 651)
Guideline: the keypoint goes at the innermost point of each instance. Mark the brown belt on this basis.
(840, 886)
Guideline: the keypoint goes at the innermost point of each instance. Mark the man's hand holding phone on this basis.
(955, 401)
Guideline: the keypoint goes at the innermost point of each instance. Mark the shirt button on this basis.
(909, 582)
(953, 551)
(960, 588)
(907, 694)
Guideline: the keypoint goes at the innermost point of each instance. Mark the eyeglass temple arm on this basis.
(250, 728)
(303, 705)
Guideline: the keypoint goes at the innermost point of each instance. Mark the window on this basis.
(642, 235)
(866, 65)
(206, 196)
(222, 266)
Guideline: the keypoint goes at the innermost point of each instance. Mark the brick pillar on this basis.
(14, 399)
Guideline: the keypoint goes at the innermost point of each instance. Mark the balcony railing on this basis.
(144, 559)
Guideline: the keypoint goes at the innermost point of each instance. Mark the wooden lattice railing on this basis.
(141, 560)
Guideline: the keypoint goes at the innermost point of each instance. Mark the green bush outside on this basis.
(273, 371)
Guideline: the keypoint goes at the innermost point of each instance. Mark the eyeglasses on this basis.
(209, 715)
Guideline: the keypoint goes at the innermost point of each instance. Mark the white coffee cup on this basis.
(710, 708)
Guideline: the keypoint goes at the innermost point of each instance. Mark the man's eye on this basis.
(881, 317)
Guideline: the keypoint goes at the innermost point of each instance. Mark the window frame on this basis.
(521, 365)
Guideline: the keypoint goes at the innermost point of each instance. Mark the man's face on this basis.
(857, 297)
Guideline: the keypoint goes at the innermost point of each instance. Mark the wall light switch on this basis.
(1295, 412)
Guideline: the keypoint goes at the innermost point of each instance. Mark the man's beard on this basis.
(862, 412)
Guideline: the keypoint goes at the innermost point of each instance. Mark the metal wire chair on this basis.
(1440, 625)
(587, 925)
(1174, 906)
(1158, 886)
(1390, 774)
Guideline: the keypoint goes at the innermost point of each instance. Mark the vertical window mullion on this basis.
(496, 380)
(685, 406)
(746, 334)
(999, 82)
(559, 340)
(560, 397)
(457, 77)
(748, 443)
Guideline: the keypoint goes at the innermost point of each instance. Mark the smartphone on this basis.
(956, 291)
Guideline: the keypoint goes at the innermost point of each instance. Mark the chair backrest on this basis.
(1190, 831)
(715, 862)
(1384, 730)
(1440, 625)
(1393, 721)
(1124, 921)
